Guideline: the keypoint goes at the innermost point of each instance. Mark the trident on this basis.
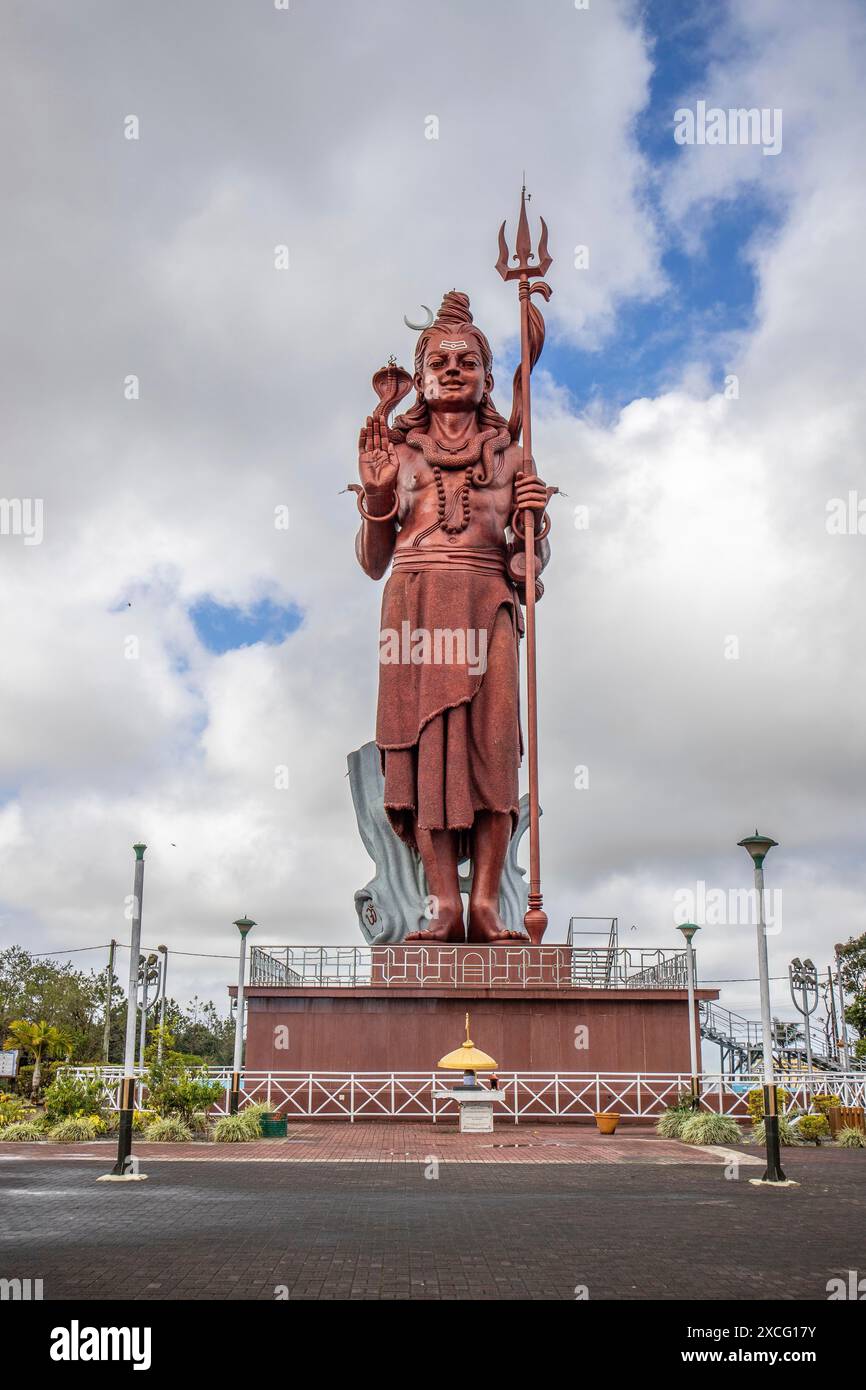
(523, 524)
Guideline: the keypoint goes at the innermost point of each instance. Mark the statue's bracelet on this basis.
(519, 529)
(359, 495)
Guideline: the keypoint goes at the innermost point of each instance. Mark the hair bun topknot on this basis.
(454, 309)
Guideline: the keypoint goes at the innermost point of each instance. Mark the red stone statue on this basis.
(449, 499)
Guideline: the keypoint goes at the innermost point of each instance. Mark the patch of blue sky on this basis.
(711, 286)
(227, 627)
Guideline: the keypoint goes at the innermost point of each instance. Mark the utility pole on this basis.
(163, 950)
(843, 1027)
(109, 984)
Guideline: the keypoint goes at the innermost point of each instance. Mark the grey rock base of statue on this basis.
(396, 901)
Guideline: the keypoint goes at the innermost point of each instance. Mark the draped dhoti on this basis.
(448, 720)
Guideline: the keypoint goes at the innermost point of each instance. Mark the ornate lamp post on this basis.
(803, 979)
(148, 975)
(244, 926)
(688, 930)
(759, 846)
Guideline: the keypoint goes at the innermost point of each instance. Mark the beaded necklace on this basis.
(466, 456)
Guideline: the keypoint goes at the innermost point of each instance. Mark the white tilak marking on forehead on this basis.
(455, 344)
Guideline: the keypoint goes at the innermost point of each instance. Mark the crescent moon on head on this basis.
(420, 327)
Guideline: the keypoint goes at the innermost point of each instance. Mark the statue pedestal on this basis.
(335, 1030)
(500, 966)
(476, 1106)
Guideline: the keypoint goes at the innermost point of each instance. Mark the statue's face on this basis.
(453, 377)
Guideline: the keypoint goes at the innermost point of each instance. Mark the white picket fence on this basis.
(526, 1096)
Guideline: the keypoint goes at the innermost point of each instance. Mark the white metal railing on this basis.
(520, 966)
(526, 1095)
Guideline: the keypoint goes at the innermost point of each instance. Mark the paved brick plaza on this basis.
(384, 1142)
(520, 1223)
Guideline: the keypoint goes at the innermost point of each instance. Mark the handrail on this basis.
(507, 966)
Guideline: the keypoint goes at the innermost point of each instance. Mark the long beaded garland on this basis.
(461, 499)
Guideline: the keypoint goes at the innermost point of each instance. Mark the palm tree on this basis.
(42, 1039)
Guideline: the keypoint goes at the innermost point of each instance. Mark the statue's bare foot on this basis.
(485, 924)
(446, 928)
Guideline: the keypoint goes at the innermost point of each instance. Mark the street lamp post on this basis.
(759, 846)
(688, 930)
(123, 1168)
(244, 926)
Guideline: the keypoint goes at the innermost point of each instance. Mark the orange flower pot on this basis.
(607, 1122)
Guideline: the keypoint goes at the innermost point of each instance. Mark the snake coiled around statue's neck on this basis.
(484, 446)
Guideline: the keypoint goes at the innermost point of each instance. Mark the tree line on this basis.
(51, 1010)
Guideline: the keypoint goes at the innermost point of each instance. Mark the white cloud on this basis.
(707, 515)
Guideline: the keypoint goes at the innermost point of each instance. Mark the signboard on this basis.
(9, 1062)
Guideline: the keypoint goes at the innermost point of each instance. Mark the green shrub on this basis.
(173, 1088)
(237, 1129)
(256, 1109)
(812, 1128)
(14, 1108)
(684, 1101)
(823, 1102)
(847, 1138)
(22, 1132)
(788, 1134)
(70, 1096)
(168, 1130)
(140, 1120)
(200, 1123)
(669, 1125)
(24, 1079)
(755, 1102)
(77, 1128)
(706, 1127)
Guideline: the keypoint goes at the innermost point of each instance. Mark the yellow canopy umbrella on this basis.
(467, 1058)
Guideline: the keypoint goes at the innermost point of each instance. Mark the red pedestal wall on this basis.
(373, 1029)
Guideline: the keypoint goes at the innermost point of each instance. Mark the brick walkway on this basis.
(386, 1230)
(401, 1143)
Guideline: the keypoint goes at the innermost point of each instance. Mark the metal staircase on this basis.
(741, 1045)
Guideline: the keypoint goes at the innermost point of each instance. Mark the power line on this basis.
(122, 946)
(744, 980)
(73, 951)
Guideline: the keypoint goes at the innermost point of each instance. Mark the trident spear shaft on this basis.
(531, 343)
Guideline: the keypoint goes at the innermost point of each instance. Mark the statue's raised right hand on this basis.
(378, 464)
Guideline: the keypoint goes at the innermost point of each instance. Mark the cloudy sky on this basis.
(166, 646)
